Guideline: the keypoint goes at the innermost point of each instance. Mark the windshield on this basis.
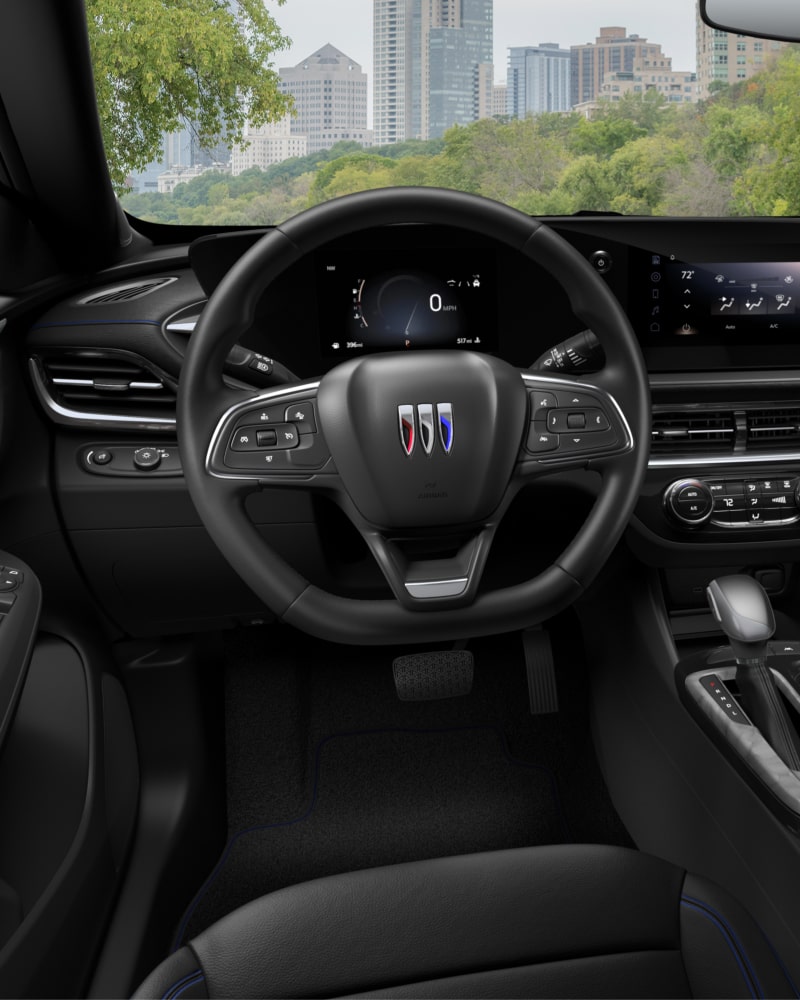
(244, 112)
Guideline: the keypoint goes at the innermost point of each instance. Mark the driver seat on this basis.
(554, 921)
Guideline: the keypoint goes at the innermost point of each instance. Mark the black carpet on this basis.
(328, 771)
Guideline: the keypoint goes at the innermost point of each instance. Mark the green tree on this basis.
(163, 64)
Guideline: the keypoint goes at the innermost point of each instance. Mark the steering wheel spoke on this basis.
(429, 574)
(273, 437)
(570, 426)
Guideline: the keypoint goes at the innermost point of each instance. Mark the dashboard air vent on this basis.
(684, 432)
(773, 427)
(125, 293)
(103, 389)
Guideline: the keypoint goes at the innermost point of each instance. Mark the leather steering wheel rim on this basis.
(203, 396)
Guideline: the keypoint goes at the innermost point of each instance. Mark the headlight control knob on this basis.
(689, 502)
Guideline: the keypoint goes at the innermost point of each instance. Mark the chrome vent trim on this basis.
(692, 436)
(126, 293)
(103, 390)
(686, 431)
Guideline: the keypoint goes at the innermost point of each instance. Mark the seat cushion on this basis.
(537, 922)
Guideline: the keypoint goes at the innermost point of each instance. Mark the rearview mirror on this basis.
(762, 18)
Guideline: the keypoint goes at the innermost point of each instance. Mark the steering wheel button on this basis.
(245, 439)
(576, 421)
(267, 439)
(576, 401)
(596, 420)
(302, 415)
(288, 436)
(540, 440)
(541, 402)
(576, 443)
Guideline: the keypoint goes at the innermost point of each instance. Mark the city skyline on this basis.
(348, 25)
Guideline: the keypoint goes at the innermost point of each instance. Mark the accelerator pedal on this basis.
(433, 676)
(541, 668)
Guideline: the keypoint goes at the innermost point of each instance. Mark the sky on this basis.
(347, 24)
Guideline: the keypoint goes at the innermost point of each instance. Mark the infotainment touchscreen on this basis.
(741, 313)
(400, 300)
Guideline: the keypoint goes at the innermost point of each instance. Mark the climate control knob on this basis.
(689, 502)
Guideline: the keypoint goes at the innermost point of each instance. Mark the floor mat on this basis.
(388, 797)
(327, 771)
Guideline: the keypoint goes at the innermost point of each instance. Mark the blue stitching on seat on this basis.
(730, 938)
(566, 835)
(783, 968)
(179, 988)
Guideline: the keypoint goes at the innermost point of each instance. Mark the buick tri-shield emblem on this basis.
(424, 418)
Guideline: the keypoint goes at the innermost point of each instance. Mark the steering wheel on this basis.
(415, 447)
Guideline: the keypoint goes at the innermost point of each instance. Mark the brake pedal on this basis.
(541, 667)
(433, 676)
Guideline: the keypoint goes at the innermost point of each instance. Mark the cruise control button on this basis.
(268, 415)
(288, 436)
(262, 365)
(267, 438)
(302, 414)
(541, 441)
(245, 439)
(259, 461)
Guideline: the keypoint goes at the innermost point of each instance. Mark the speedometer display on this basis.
(422, 300)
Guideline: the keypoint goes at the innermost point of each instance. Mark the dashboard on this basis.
(714, 305)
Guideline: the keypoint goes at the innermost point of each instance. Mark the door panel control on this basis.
(20, 606)
(734, 503)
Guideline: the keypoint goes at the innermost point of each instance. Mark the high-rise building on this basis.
(330, 99)
(397, 53)
(539, 80)
(457, 41)
(267, 144)
(499, 98)
(433, 66)
(675, 86)
(724, 59)
(613, 51)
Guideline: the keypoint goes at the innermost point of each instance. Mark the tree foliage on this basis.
(736, 153)
(163, 64)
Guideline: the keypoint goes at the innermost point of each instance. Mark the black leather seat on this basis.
(559, 921)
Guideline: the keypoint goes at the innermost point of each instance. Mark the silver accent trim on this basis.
(699, 462)
(756, 524)
(77, 418)
(263, 398)
(99, 383)
(427, 590)
(427, 431)
(182, 326)
(146, 285)
(583, 387)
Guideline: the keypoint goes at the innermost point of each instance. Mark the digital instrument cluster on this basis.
(371, 303)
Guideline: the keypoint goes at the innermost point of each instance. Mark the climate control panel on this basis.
(734, 503)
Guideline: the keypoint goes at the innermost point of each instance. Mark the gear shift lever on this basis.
(743, 611)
